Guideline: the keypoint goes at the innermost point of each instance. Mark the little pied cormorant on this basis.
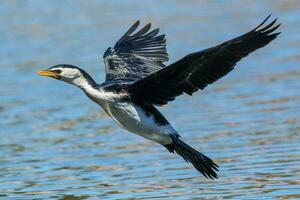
(137, 81)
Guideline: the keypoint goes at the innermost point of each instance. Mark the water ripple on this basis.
(56, 144)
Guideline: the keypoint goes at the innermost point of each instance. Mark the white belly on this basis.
(134, 119)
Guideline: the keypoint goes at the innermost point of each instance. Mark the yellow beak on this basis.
(48, 73)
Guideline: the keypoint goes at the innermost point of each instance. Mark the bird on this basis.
(137, 82)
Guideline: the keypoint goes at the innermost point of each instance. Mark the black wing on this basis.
(136, 55)
(197, 70)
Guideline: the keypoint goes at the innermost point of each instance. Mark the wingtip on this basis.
(137, 22)
(275, 34)
(262, 23)
(155, 31)
(134, 26)
(268, 17)
(267, 28)
(147, 26)
(142, 31)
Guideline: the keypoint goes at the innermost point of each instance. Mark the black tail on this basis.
(202, 163)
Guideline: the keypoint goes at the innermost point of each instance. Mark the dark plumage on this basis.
(136, 55)
(197, 70)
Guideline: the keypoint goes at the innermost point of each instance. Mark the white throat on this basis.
(81, 83)
(96, 94)
(86, 86)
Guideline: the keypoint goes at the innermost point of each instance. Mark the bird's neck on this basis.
(96, 93)
(86, 83)
(93, 90)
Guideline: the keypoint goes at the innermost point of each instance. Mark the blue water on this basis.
(55, 143)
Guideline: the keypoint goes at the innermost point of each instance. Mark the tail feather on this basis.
(202, 163)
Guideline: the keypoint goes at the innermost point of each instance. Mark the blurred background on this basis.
(55, 143)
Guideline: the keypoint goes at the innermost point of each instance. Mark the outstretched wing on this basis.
(197, 70)
(137, 55)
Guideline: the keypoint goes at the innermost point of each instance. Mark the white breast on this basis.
(130, 116)
(133, 118)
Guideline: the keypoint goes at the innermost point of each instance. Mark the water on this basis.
(57, 144)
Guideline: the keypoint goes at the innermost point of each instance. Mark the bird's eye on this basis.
(57, 71)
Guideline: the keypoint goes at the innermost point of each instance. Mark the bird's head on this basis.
(67, 73)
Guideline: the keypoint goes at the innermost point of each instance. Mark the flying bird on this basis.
(138, 81)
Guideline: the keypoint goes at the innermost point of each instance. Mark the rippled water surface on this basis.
(55, 143)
